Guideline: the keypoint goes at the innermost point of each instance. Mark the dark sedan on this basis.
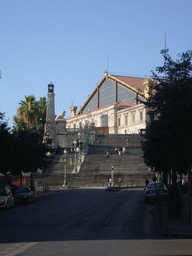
(24, 195)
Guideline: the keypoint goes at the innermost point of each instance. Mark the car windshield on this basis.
(21, 190)
(155, 185)
(2, 192)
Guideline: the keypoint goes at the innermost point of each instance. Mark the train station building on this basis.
(115, 106)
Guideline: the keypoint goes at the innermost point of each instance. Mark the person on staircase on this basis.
(107, 155)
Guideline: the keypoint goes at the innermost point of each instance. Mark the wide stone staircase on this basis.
(96, 169)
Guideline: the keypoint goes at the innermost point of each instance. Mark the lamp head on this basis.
(50, 87)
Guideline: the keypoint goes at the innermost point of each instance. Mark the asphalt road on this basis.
(85, 222)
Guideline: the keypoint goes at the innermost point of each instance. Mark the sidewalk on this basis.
(178, 227)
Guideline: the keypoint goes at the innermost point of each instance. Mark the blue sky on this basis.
(69, 42)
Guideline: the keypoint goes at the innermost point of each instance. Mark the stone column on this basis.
(50, 126)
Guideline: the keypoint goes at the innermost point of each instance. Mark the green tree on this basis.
(6, 141)
(30, 152)
(21, 150)
(28, 112)
(168, 138)
(31, 115)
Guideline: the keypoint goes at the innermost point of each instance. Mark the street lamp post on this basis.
(79, 136)
(112, 176)
(65, 171)
(89, 115)
(75, 167)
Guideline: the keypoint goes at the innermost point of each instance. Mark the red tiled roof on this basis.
(133, 81)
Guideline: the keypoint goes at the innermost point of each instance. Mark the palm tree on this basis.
(42, 106)
(28, 112)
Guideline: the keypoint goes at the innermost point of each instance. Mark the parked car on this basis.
(155, 190)
(24, 195)
(6, 198)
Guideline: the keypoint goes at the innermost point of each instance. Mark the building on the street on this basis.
(115, 106)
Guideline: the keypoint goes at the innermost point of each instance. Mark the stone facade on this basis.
(119, 118)
(115, 107)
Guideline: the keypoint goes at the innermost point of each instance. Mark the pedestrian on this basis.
(175, 203)
(154, 179)
(125, 131)
(146, 182)
(127, 141)
(123, 150)
(71, 161)
(107, 155)
(115, 150)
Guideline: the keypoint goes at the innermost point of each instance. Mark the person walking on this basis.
(115, 150)
(146, 182)
(107, 155)
(123, 150)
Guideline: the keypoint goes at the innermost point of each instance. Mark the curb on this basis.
(113, 189)
(43, 194)
(177, 235)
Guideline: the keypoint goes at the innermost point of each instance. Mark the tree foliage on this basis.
(21, 150)
(31, 115)
(168, 138)
(6, 142)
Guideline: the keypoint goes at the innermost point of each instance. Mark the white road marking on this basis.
(15, 251)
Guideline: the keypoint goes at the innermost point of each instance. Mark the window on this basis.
(141, 116)
(74, 126)
(125, 119)
(80, 125)
(119, 121)
(133, 117)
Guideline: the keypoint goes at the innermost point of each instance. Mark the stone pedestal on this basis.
(60, 125)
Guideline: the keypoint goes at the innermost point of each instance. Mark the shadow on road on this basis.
(79, 214)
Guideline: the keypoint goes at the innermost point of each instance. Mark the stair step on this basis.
(96, 170)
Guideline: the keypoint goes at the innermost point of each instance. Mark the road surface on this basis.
(85, 222)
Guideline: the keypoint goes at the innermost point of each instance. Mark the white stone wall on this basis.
(135, 120)
(131, 119)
